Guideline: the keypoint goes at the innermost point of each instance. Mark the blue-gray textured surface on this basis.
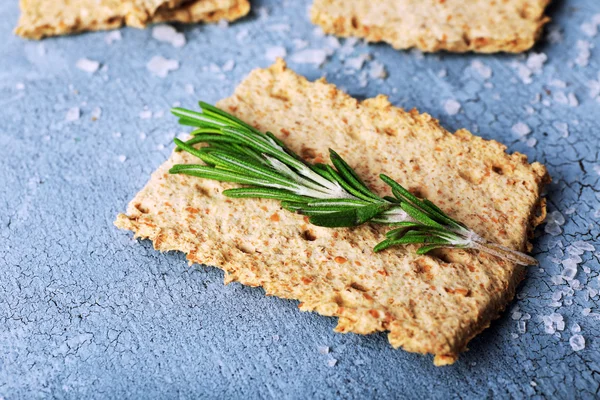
(85, 311)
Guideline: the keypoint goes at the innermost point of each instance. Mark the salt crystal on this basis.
(529, 110)
(586, 311)
(300, 44)
(516, 315)
(159, 114)
(483, 70)
(228, 66)
(20, 86)
(526, 317)
(523, 72)
(555, 317)
(589, 29)
(377, 70)
(275, 338)
(583, 55)
(142, 136)
(576, 284)
(557, 217)
(112, 36)
(576, 328)
(116, 134)
(275, 52)
(161, 66)
(560, 326)
(122, 158)
(331, 362)
(87, 65)
(570, 210)
(488, 85)
(442, 73)
(531, 142)
(558, 83)
(189, 88)
(556, 296)
(532, 383)
(521, 129)
(310, 56)
(278, 28)
(583, 245)
(96, 113)
(535, 61)
(160, 147)
(514, 335)
(357, 62)
(323, 349)
(587, 270)
(452, 107)
(73, 114)
(577, 342)
(146, 114)
(168, 34)
(560, 97)
(223, 24)
(522, 326)
(553, 229)
(573, 101)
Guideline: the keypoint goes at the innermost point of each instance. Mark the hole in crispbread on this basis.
(309, 235)
(497, 169)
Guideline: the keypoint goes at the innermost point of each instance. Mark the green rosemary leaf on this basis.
(341, 219)
(419, 215)
(429, 247)
(266, 193)
(208, 107)
(350, 175)
(335, 176)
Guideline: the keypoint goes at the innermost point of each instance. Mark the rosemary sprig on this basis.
(330, 195)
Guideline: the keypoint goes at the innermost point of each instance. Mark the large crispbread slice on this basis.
(41, 18)
(429, 304)
(483, 26)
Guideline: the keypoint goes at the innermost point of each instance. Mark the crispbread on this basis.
(41, 18)
(482, 26)
(429, 304)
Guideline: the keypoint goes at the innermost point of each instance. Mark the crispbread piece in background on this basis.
(482, 26)
(41, 18)
(429, 304)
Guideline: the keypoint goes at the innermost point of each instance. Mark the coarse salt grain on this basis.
(146, 114)
(87, 65)
(113, 36)
(583, 53)
(160, 66)
(168, 34)
(577, 342)
(483, 70)
(521, 129)
(228, 66)
(331, 362)
(323, 349)
(122, 158)
(189, 88)
(73, 114)
(452, 107)
(377, 70)
(310, 56)
(275, 52)
(357, 62)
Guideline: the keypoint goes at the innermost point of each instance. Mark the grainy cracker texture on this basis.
(41, 18)
(483, 26)
(429, 304)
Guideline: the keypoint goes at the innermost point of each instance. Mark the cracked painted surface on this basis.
(87, 311)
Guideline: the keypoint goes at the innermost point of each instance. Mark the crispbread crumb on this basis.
(429, 304)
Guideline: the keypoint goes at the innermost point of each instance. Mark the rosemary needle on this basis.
(330, 195)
